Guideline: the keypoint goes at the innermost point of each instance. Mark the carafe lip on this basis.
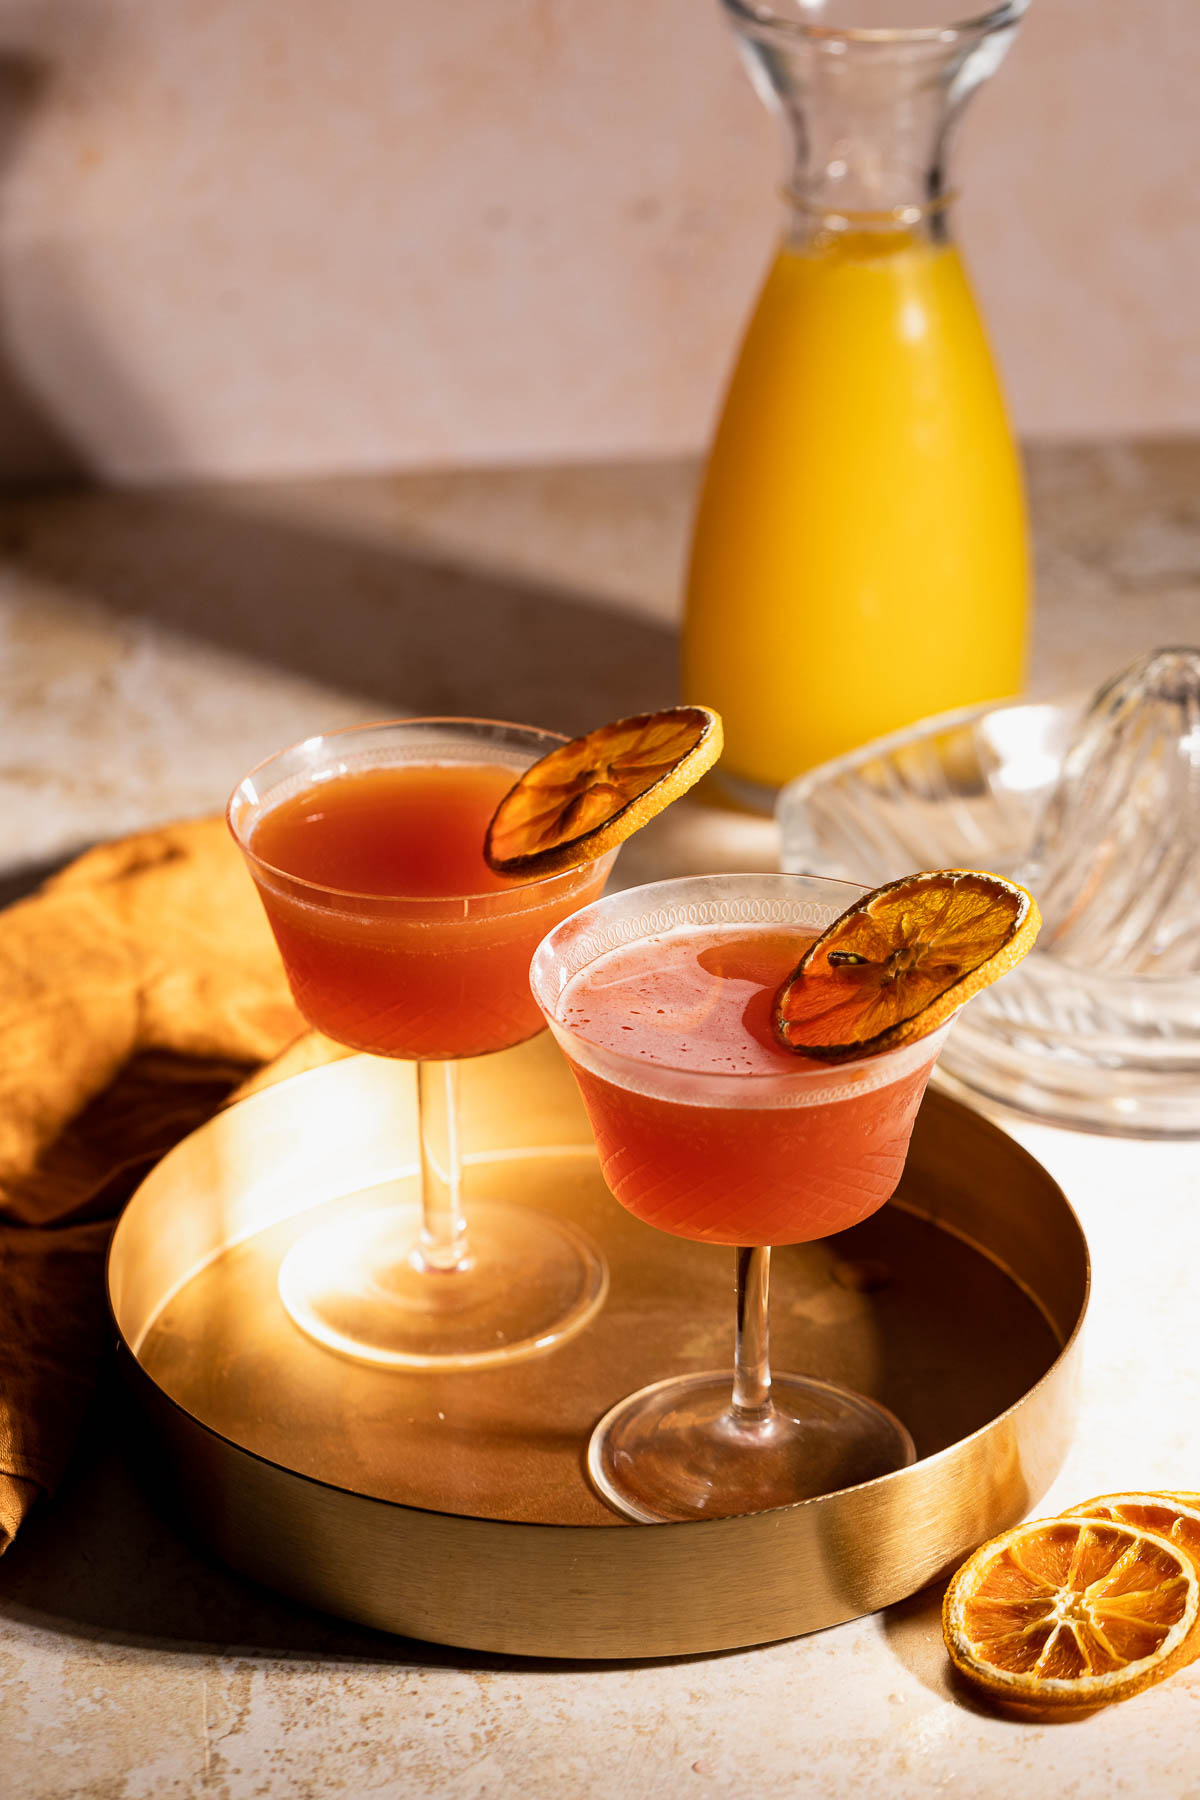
(763, 18)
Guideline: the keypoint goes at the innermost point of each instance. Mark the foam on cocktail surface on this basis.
(779, 1079)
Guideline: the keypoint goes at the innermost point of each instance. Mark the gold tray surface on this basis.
(957, 1305)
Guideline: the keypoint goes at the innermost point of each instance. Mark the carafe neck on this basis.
(869, 110)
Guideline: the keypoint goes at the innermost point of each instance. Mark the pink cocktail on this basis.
(366, 847)
(661, 998)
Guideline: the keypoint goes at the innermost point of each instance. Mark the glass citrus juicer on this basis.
(752, 1051)
(401, 937)
(859, 555)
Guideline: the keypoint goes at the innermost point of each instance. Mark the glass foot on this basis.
(358, 1286)
(677, 1451)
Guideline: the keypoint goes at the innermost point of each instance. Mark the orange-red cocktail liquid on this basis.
(396, 936)
(783, 1149)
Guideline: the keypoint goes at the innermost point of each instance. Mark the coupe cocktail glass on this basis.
(366, 846)
(661, 998)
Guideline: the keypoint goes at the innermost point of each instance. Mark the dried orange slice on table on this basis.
(1174, 1516)
(588, 796)
(1059, 1616)
(901, 961)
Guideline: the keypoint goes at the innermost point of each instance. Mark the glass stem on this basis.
(752, 1365)
(443, 1240)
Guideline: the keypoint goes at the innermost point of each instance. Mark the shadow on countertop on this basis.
(409, 633)
(26, 878)
(104, 1561)
(100, 1562)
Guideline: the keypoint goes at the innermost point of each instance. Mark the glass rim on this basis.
(764, 18)
(242, 840)
(808, 1069)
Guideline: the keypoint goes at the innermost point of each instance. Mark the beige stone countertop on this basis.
(155, 645)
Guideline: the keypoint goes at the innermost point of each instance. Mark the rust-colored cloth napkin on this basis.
(138, 989)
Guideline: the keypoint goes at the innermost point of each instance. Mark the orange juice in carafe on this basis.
(859, 557)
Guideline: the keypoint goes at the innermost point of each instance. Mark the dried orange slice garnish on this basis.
(899, 962)
(588, 796)
(1062, 1615)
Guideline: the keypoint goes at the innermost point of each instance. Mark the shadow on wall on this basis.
(31, 445)
(56, 51)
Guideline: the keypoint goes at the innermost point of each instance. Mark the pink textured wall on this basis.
(242, 237)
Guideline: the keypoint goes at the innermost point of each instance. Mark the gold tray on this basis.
(455, 1507)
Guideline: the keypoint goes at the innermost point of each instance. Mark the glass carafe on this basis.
(859, 557)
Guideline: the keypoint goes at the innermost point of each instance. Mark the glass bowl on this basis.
(1062, 1038)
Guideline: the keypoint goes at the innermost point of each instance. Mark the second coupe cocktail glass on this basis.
(366, 846)
(661, 997)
